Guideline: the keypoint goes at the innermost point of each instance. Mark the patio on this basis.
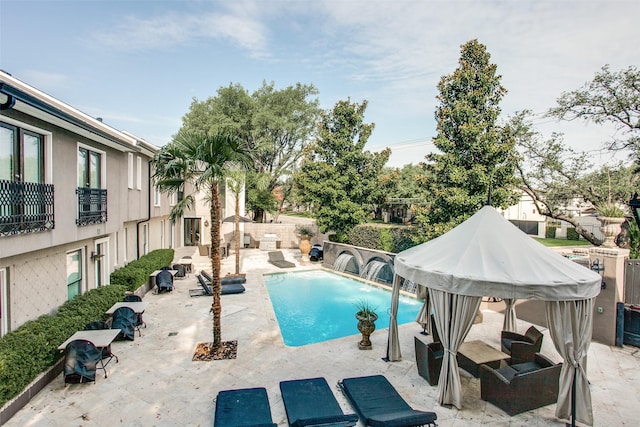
(157, 383)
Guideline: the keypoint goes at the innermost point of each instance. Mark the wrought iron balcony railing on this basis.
(92, 206)
(25, 207)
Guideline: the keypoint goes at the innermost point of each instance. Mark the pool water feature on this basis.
(316, 306)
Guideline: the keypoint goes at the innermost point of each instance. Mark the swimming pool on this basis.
(315, 306)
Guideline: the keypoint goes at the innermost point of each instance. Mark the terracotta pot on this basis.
(366, 326)
(610, 227)
(305, 248)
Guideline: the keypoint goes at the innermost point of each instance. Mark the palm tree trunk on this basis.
(237, 224)
(216, 308)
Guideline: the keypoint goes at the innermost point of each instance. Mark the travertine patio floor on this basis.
(157, 384)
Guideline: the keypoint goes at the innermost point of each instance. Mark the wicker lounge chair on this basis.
(310, 402)
(379, 404)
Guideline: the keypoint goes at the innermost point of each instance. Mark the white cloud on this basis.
(44, 81)
(174, 29)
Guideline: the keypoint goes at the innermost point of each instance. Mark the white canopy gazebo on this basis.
(488, 256)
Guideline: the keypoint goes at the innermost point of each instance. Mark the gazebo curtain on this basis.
(454, 315)
(570, 326)
(509, 315)
(424, 315)
(393, 342)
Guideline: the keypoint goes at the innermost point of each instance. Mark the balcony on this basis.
(92, 206)
(25, 207)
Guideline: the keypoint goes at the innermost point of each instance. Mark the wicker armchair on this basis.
(522, 348)
(521, 387)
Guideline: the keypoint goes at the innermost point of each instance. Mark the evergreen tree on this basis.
(336, 177)
(477, 156)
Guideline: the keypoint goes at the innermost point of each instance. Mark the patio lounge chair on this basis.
(379, 404)
(310, 402)
(276, 258)
(205, 288)
(227, 280)
(243, 407)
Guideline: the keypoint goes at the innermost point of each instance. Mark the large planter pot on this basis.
(366, 326)
(305, 248)
(610, 227)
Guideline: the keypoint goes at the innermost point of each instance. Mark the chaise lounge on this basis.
(205, 288)
(310, 402)
(379, 404)
(243, 407)
(276, 258)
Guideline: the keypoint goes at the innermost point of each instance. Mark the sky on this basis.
(138, 64)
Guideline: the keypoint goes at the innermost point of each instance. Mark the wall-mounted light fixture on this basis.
(598, 267)
(206, 223)
(96, 256)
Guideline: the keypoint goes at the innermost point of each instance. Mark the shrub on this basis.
(383, 238)
(33, 347)
(550, 233)
(572, 234)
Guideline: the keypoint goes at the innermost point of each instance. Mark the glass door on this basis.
(191, 231)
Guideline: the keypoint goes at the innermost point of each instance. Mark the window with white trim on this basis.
(139, 173)
(130, 171)
(156, 196)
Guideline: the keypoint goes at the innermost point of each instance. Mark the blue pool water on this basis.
(316, 306)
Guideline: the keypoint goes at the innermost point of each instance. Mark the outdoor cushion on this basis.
(379, 404)
(310, 402)
(243, 408)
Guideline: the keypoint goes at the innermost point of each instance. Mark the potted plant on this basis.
(366, 315)
(611, 218)
(305, 233)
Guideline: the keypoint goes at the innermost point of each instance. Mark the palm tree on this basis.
(236, 186)
(200, 162)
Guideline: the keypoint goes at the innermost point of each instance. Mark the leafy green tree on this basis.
(476, 156)
(336, 176)
(611, 97)
(200, 162)
(275, 125)
(556, 176)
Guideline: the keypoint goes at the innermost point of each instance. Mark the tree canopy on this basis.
(476, 156)
(336, 176)
(611, 97)
(196, 162)
(274, 125)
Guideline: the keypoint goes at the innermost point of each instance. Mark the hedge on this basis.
(386, 238)
(572, 234)
(33, 347)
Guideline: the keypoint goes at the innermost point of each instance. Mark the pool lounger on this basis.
(205, 289)
(310, 402)
(243, 407)
(379, 404)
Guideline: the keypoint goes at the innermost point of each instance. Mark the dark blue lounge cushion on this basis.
(379, 403)
(310, 402)
(247, 407)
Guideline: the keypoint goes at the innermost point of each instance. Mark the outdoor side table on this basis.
(472, 354)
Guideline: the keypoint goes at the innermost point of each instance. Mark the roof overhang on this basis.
(28, 100)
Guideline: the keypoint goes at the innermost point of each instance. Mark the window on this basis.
(139, 173)
(89, 168)
(156, 196)
(26, 201)
(130, 171)
(172, 199)
(4, 301)
(74, 273)
(92, 198)
(21, 154)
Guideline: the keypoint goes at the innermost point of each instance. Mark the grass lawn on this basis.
(562, 242)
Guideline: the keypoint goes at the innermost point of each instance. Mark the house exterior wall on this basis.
(35, 263)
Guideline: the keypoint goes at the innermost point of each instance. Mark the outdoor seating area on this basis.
(176, 324)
